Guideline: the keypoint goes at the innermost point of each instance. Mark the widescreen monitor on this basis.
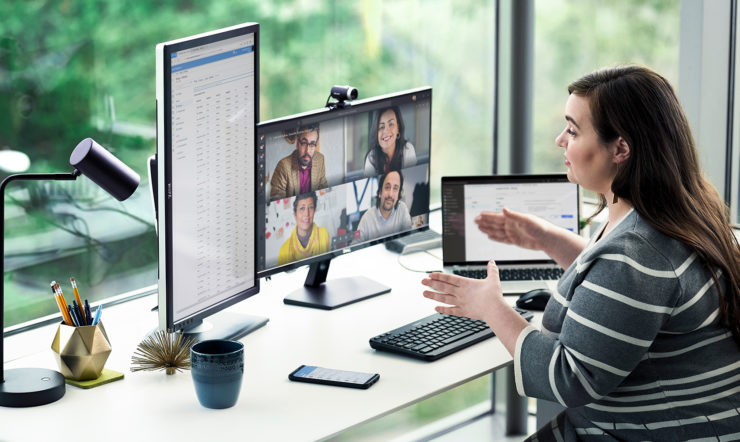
(207, 104)
(335, 180)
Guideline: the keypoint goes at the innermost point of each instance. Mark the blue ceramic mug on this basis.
(217, 367)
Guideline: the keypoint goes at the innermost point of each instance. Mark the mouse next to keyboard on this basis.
(534, 299)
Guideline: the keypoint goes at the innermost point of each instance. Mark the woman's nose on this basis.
(559, 139)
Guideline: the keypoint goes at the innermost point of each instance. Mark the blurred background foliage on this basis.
(575, 37)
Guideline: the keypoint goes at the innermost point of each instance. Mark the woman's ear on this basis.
(622, 151)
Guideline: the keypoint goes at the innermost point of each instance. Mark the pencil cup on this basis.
(81, 352)
(217, 368)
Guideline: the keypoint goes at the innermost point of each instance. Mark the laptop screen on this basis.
(551, 197)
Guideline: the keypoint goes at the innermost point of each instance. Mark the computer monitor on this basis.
(334, 180)
(207, 93)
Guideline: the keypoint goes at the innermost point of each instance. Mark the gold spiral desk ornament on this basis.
(163, 351)
(81, 352)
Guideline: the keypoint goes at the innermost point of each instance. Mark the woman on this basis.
(641, 340)
(389, 149)
(307, 239)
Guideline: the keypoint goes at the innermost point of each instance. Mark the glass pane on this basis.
(86, 69)
(574, 37)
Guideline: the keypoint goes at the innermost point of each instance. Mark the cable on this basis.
(417, 270)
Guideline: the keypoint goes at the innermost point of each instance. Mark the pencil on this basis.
(79, 301)
(62, 308)
(58, 288)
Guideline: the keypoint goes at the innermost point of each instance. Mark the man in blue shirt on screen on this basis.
(390, 214)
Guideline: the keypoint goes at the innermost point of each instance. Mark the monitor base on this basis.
(225, 325)
(336, 293)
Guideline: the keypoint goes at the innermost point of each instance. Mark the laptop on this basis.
(466, 250)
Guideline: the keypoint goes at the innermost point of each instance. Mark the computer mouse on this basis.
(534, 299)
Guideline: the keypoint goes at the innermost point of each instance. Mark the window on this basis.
(573, 38)
(87, 69)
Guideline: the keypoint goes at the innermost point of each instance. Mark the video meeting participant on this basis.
(388, 147)
(303, 170)
(642, 339)
(307, 239)
(390, 214)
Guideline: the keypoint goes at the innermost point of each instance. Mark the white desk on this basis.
(154, 406)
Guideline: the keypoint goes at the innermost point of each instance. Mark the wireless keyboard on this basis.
(435, 336)
(523, 274)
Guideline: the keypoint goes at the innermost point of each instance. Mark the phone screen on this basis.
(329, 374)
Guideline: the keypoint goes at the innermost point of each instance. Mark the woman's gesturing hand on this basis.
(512, 227)
(474, 298)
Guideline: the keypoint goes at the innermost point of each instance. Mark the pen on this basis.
(72, 314)
(77, 298)
(98, 312)
(88, 315)
(78, 313)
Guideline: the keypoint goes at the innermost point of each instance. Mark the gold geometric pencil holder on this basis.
(81, 352)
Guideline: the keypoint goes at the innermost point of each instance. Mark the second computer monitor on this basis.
(335, 180)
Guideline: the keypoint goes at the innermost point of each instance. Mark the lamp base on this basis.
(29, 387)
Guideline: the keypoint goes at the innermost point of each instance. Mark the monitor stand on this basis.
(319, 293)
(225, 325)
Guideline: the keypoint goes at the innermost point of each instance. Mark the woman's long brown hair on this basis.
(662, 178)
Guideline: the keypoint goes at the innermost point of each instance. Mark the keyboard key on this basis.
(457, 337)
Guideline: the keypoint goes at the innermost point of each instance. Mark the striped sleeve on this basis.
(617, 302)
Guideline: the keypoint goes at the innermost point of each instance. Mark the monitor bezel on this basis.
(167, 321)
(364, 105)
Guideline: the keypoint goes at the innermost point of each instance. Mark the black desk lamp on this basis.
(28, 387)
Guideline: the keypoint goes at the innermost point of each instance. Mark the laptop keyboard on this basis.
(522, 274)
(435, 336)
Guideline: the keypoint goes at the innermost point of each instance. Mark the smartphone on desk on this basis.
(331, 376)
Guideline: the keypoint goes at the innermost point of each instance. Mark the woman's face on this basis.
(590, 163)
(304, 212)
(387, 131)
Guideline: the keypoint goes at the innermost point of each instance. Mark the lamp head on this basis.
(104, 169)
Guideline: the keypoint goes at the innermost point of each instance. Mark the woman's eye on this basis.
(570, 132)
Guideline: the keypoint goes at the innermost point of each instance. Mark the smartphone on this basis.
(330, 376)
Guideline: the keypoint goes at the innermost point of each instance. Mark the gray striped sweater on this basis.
(631, 344)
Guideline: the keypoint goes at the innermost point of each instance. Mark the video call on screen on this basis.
(337, 145)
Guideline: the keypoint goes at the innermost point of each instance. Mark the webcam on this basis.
(341, 94)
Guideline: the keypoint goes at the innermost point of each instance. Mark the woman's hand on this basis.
(512, 227)
(474, 298)
(477, 299)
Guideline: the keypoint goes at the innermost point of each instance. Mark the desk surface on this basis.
(154, 406)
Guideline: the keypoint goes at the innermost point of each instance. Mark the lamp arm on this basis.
(17, 177)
